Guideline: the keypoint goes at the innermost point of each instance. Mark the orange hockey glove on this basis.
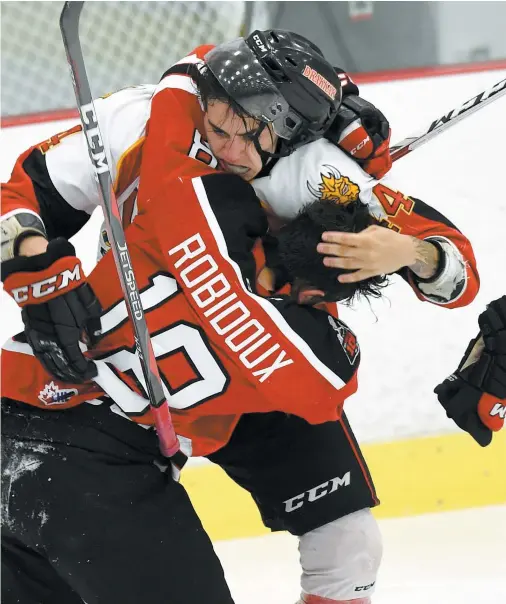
(363, 133)
(59, 309)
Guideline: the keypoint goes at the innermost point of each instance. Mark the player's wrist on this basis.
(407, 250)
(32, 245)
(423, 258)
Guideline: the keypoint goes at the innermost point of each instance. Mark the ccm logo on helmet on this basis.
(259, 43)
(29, 294)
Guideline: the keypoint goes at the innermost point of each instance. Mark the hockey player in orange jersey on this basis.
(211, 382)
(155, 132)
(267, 124)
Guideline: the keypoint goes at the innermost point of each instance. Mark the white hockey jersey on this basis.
(152, 133)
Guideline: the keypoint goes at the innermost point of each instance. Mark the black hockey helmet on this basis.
(282, 79)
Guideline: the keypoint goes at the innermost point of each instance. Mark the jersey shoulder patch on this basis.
(347, 339)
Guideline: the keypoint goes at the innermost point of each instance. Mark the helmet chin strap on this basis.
(266, 157)
(283, 148)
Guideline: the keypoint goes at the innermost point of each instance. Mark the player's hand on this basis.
(363, 132)
(480, 414)
(372, 252)
(475, 395)
(492, 322)
(484, 362)
(59, 309)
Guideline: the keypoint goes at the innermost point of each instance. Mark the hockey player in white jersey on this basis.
(171, 131)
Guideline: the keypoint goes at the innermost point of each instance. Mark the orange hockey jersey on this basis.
(149, 132)
(163, 168)
(222, 350)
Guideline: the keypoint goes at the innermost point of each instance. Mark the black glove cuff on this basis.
(349, 87)
(56, 249)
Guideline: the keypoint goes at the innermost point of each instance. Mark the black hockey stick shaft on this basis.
(450, 119)
(69, 26)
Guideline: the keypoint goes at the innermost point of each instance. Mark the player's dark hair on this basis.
(209, 89)
(297, 242)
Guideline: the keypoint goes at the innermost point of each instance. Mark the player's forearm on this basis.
(426, 258)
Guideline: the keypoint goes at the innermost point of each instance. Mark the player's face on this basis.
(230, 139)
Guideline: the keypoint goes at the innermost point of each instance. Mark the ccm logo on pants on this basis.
(294, 503)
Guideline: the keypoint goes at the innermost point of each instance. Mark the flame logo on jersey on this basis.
(334, 186)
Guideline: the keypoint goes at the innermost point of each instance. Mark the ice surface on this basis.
(449, 558)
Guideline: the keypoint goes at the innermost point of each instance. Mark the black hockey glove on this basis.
(475, 395)
(59, 309)
(361, 131)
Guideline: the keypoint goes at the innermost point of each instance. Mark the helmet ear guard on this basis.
(307, 82)
(282, 80)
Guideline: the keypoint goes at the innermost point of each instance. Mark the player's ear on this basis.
(309, 295)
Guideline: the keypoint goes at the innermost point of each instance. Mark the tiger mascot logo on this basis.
(334, 186)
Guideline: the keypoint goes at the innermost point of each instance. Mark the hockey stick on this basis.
(453, 117)
(440, 125)
(69, 26)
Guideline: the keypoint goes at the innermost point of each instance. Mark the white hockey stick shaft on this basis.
(451, 118)
(443, 123)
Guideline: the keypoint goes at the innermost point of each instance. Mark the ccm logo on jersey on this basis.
(45, 289)
(326, 488)
(226, 314)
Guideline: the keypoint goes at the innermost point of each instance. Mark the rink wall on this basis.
(419, 460)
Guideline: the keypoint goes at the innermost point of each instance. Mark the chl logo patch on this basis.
(347, 339)
(333, 186)
(53, 395)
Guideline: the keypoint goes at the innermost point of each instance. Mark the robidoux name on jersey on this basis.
(227, 315)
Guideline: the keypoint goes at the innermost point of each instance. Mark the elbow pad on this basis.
(14, 228)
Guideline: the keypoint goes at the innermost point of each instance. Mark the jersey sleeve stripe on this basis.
(178, 82)
(12, 346)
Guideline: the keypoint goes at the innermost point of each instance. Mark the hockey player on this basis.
(474, 396)
(88, 513)
(293, 102)
(52, 187)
